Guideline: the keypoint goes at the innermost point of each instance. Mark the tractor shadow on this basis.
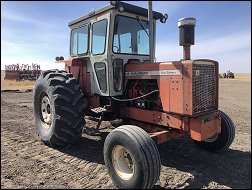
(89, 148)
(231, 168)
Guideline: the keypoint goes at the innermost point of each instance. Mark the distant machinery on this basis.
(229, 74)
(23, 72)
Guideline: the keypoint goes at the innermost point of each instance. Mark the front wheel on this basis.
(132, 158)
(223, 140)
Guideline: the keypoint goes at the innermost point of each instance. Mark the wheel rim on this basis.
(211, 139)
(123, 162)
(46, 112)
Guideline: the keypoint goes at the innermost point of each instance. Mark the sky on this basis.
(37, 32)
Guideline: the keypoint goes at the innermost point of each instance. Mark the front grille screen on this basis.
(204, 87)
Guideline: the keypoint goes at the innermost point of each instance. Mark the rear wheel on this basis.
(58, 108)
(132, 158)
(223, 140)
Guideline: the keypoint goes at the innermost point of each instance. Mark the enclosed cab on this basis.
(106, 40)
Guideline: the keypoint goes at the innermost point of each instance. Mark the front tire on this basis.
(132, 158)
(220, 141)
(58, 108)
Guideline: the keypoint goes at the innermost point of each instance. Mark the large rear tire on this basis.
(223, 140)
(58, 108)
(132, 158)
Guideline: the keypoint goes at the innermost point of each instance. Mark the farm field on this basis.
(27, 163)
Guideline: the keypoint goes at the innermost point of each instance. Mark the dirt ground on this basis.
(27, 163)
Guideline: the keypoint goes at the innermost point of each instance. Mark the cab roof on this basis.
(127, 8)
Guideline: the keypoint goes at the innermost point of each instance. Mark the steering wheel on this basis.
(117, 51)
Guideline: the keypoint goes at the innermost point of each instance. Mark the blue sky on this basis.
(37, 32)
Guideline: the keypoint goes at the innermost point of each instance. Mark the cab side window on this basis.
(79, 41)
(99, 31)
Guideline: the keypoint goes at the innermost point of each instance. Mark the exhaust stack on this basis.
(186, 35)
(151, 39)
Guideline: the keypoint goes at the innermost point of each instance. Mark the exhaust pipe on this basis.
(151, 39)
(186, 35)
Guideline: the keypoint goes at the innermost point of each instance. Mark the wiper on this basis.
(141, 24)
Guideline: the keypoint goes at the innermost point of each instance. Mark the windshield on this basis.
(131, 36)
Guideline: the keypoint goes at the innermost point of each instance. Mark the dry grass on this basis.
(15, 85)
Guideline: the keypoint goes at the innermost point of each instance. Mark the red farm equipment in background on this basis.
(23, 72)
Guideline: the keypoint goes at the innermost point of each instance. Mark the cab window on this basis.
(131, 36)
(79, 41)
(99, 37)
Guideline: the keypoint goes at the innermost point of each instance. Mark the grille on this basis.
(204, 87)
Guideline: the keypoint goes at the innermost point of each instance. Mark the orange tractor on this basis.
(111, 74)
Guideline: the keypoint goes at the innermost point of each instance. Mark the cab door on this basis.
(99, 38)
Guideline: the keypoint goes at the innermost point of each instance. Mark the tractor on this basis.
(229, 74)
(111, 74)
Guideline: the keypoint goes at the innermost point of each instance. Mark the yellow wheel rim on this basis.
(123, 162)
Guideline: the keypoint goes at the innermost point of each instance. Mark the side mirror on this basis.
(164, 18)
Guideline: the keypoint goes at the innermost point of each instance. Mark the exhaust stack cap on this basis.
(186, 22)
(186, 31)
